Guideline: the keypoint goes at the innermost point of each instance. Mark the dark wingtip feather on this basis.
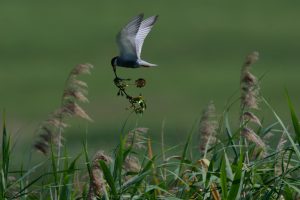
(155, 18)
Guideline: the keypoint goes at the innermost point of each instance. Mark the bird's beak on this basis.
(115, 72)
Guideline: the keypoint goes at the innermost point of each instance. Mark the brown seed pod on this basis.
(140, 82)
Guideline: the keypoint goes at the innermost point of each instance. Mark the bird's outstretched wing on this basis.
(126, 38)
(145, 27)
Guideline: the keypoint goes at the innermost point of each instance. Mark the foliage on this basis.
(234, 161)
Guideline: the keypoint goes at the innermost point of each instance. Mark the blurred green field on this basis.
(199, 47)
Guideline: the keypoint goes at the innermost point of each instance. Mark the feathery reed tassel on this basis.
(282, 158)
(82, 69)
(75, 91)
(249, 116)
(97, 182)
(249, 85)
(207, 128)
(136, 138)
(132, 164)
(251, 136)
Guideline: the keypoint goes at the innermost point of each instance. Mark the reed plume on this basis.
(97, 181)
(136, 138)
(249, 101)
(249, 85)
(132, 164)
(250, 135)
(250, 117)
(282, 158)
(207, 128)
(75, 91)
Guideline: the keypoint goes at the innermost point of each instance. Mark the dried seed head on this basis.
(249, 84)
(97, 181)
(76, 94)
(82, 69)
(137, 138)
(73, 109)
(268, 136)
(252, 58)
(75, 90)
(250, 100)
(249, 79)
(282, 164)
(249, 116)
(41, 147)
(251, 136)
(281, 142)
(140, 82)
(100, 155)
(47, 135)
(204, 163)
(207, 127)
(79, 83)
(54, 121)
(132, 164)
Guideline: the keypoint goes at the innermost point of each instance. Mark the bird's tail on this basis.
(146, 64)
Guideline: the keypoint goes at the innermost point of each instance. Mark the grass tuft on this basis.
(236, 158)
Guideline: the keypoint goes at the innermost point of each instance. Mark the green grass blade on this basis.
(5, 158)
(54, 168)
(228, 168)
(135, 181)
(5, 149)
(235, 188)
(119, 159)
(229, 134)
(109, 178)
(87, 161)
(294, 117)
(27, 174)
(145, 170)
(67, 181)
(223, 177)
(284, 129)
(209, 171)
(186, 146)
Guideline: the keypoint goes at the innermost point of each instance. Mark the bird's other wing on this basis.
(126, 38)
(142, 33)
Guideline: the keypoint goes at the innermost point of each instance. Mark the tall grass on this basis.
(218, 160)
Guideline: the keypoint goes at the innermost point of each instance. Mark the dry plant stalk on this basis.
(97, 182)
(207, 128)
(75, 91)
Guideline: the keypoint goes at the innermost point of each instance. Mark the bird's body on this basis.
(130, 41)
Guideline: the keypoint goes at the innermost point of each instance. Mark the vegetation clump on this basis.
(232, 158)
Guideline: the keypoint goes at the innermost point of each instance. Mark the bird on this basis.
(130, 42)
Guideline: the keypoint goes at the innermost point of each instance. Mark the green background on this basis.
(198, 45)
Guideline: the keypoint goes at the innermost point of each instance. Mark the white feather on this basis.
(126, 38)
(142, 33)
